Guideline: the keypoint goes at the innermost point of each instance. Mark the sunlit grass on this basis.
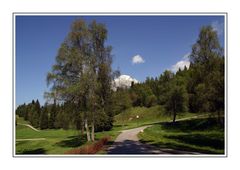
(53, 141)
(140, 116)
(199, 135)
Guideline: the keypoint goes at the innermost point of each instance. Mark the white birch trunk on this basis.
(87, 130)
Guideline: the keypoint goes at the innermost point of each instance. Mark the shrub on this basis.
(90, 149)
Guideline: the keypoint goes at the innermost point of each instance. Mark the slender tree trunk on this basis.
(87, 130)
(92, 135)
(174, 117)
(174, 112)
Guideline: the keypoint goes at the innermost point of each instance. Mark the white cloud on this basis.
(218, 27)
(137, 59)
(181, 64)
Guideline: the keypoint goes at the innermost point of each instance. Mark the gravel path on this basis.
(29, 127)
(34, 139)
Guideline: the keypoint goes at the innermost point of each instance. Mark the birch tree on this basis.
(82, 74)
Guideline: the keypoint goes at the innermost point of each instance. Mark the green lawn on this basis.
(56, 141)
(200, 135)
(59, 141)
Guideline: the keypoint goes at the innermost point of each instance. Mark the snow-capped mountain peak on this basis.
(123, 81)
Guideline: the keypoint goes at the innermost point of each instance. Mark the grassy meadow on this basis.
(52, 141)
(201, 135)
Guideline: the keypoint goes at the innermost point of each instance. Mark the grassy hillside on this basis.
(201, 135)
(155, 114)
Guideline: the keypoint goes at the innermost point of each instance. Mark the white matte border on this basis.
(6, 105)
(224, 14)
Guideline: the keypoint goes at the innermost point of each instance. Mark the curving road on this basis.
(128, 143)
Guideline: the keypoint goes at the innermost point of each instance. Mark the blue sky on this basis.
(157, 42)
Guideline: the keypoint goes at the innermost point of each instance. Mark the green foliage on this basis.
(150, 100)
(142, 95)
(21, 110)
(103, 122)
(121, 101)
(177, 101)
(165, 80)
(206, 83)
(206, 47)
(82, 74)
(53, 115)
(62, 118)
(30, 112)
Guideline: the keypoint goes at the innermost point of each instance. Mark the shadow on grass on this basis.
(118, 125)
(198, 135)
(213, 141)
(181, 147)
(34, 151)
(72, 141)
(192, 125)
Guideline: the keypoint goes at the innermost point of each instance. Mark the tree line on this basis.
(81, 83)
(56, 116)
(199, 88)
(40, 117)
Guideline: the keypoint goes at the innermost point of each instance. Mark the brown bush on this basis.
(91, 148)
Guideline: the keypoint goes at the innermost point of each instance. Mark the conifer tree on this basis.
(53, 115)
(44, 117)
(206, 83)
